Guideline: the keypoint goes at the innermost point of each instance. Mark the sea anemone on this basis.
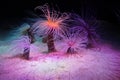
(51, 26)
(89, 27)
(73, 41)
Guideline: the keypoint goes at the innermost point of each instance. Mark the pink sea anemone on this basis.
(51, 26)
(73, 42)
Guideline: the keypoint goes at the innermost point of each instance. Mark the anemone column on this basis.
(71, 51)
(92, 39)
(26, 52)
(50, 43)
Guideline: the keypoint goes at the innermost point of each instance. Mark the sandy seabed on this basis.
(90, 64)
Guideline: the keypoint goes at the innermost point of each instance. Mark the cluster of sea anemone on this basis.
(71, 29)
